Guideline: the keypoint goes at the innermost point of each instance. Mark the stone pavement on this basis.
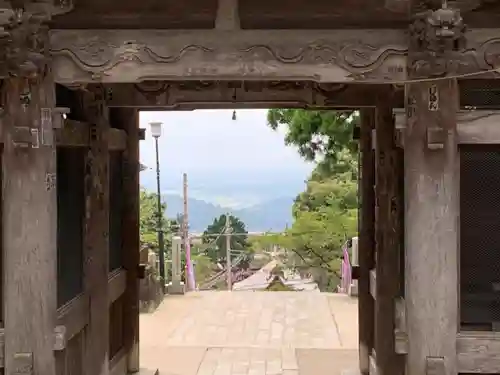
(251, 333)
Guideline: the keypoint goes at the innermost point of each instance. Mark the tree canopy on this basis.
(325, 214)
(321, 136)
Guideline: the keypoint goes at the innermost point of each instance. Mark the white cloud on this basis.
(208, 142)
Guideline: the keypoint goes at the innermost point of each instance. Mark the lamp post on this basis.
(156, 133)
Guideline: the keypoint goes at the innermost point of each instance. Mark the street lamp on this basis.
(156, 133)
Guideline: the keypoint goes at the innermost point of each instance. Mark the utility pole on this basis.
(228, 253)
(185, 235)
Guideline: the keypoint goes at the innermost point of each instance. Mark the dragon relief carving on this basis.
(98, 56)
(438, 46)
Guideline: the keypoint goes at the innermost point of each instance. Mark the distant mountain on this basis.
(272, 215)
(238, 185)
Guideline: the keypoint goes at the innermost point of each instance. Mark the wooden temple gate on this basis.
(75, 73)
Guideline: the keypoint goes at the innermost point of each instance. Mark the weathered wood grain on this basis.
(373, 284)
(118, 364)
(431, 201)
(473, 126)
(116, 285)
(478, 352)
(130, 224)
(29, 229)
(366, 241)
(74, 315)
(76, 134)
(388, 237)
(117, 139)
(400, 336)
(97, 235)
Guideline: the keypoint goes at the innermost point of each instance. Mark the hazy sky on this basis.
(216, 151)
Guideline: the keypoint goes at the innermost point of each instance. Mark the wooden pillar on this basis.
(96, 234)
(29, 225)
(388, 236)
(131, 246)
(431, 267)
(366, 258)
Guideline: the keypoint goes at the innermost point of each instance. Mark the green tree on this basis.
(325, 214)
(148, 220)
(321, 136)
(216, 241)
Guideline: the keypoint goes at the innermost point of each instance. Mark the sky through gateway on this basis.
(227, 161)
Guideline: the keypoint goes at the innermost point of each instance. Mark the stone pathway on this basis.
(259, 280)
(251, 333)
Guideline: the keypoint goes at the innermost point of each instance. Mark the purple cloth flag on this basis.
(346, 270)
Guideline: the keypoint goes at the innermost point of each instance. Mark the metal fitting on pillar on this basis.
(436, 138)
(59, 114)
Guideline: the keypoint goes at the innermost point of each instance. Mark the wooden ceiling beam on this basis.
(220, 95)
(189, 95)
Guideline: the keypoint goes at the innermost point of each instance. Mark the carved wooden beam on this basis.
(175, 95)
(478, 126)
(114, 56)
(187, 95)
(195, 95)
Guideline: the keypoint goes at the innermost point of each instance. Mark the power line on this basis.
(222, 234)
(212, 242)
